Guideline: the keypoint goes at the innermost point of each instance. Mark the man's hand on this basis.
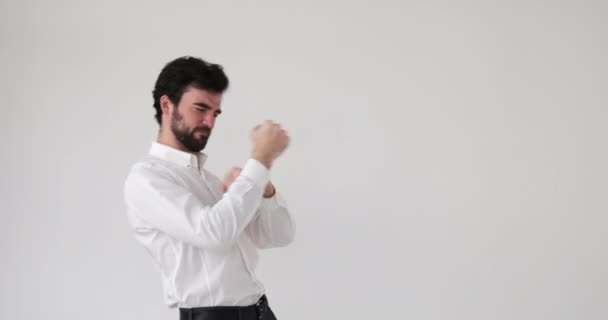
(269, 141)
(269, 191)
(234, 172)
(229, 177)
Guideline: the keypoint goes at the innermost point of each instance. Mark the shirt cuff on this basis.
(257, 172)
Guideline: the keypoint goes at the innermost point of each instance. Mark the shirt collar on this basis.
(178, 157)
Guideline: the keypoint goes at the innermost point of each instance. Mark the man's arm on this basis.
(273, 225)
(154, 197)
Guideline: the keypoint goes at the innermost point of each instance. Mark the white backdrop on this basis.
(448, 158)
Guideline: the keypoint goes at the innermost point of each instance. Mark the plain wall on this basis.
(448, 158)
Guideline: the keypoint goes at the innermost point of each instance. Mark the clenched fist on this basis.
(269, 141)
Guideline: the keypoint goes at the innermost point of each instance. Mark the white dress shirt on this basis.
(204, 241)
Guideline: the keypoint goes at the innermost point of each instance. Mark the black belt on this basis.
(254, 311)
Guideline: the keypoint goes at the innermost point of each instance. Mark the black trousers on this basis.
(258, 311)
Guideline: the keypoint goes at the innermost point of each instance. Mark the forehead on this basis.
(195, 95)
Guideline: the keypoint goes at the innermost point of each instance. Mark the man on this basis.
(204, 233)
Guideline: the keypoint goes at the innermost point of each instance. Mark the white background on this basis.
(448, 158)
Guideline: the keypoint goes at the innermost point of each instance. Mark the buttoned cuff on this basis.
(257, 172)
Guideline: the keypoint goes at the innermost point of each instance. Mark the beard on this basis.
(187, 136)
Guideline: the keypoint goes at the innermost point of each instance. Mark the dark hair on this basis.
(182, 72)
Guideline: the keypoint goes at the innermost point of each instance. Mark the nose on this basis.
(209, 120)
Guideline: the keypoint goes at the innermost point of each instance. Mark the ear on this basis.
(166, 105)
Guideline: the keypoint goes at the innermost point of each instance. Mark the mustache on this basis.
(204, 129)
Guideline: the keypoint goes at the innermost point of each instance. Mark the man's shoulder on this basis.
(150, 165)
(147, 162)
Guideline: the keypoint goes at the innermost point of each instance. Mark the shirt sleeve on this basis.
(160, 201)
(273, 225)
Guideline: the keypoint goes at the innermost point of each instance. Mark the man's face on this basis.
(194, 118)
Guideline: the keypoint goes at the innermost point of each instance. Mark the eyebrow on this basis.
(204, 105)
